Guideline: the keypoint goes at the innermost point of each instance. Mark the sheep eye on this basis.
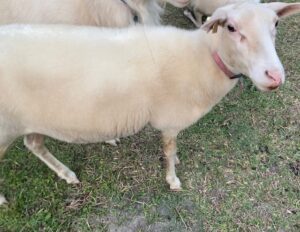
(276, 24)
(231, 28)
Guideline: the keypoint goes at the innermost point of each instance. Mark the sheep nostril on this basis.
(269, 75)
(275, 76)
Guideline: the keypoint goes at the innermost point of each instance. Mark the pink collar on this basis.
(223, 67)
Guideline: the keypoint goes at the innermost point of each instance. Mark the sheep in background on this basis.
(84, 84)
(107, 13)
(199, 8)
(176, 3)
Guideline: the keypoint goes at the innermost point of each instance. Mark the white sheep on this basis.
(199, 8)
(84, 84)
(108, 13)
(113, 13)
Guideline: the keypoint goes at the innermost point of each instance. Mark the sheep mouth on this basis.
(270, 88)
(267, 89)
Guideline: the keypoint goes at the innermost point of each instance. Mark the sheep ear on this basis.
(284, 9)
(213, 24)
(218, 18)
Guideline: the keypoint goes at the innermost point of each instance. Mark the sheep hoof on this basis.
(70, 177)
(2, 200)
(176, 187)
(113, 142)
(175, 184)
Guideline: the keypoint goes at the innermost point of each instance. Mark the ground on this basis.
(240, 169)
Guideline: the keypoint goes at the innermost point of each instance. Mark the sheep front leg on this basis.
(35, 143)
(169, 147)
(113, 142)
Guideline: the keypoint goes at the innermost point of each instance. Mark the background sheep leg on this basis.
(169, 143)
(35, 143)
(196, 20)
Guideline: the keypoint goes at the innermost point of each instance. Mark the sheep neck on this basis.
(223, 67)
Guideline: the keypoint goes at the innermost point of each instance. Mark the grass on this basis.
(239, 169)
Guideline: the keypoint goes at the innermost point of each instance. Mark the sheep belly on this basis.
(86, 127)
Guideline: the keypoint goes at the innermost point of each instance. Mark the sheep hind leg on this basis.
(2, 152)
(2, 198)
(169, 148)
(177, 161)
(35, 143)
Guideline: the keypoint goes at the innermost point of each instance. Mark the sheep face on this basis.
(247, 40)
